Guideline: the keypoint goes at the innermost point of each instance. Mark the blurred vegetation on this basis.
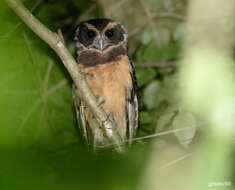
(40, 145)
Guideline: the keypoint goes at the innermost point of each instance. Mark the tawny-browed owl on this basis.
(101, 48)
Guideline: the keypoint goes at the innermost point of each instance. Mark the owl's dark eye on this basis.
(91, 34)
(109, 33)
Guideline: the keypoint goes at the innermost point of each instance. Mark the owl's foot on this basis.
(101, 102)
(111, 118)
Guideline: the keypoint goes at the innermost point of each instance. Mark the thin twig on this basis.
(83, 16)
(61, 35)
(176, 160)
(112, 10)
(162, 133)
(84, 91)
(150, 136)
(38, 2)
(166, 15)
(102, 3)
(151, 22)
(86, 13)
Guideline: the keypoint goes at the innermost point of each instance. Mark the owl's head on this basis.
(100, 35)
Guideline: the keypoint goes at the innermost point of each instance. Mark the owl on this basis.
(101, 50)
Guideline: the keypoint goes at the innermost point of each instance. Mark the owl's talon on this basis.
(102, 102)
(98, 100)
(111, 117)
(97, 97)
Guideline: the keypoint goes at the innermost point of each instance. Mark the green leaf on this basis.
(152, 96)
(145, 117)
(146, 37)
(188, 121)
(35, 95)
(144, 76)
(150, 53)
(180, 31)
(166, 118)
(171, 51)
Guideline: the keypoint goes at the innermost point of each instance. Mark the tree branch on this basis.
(54, 41)
(153, 16)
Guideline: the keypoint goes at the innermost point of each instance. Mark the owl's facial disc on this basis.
(99, 43)
(107, 38)
(100, 35)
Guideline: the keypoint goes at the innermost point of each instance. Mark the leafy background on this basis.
(40, 144)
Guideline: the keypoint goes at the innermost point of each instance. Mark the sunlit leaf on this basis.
(187, 121)
(152, 97)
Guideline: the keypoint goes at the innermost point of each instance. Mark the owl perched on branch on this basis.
(101, 49)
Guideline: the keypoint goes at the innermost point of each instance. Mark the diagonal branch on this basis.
(54, 41)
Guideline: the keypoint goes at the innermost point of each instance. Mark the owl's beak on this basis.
(101, 43)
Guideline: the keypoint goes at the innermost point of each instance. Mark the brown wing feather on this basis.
(132, 107)
(80, 114)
